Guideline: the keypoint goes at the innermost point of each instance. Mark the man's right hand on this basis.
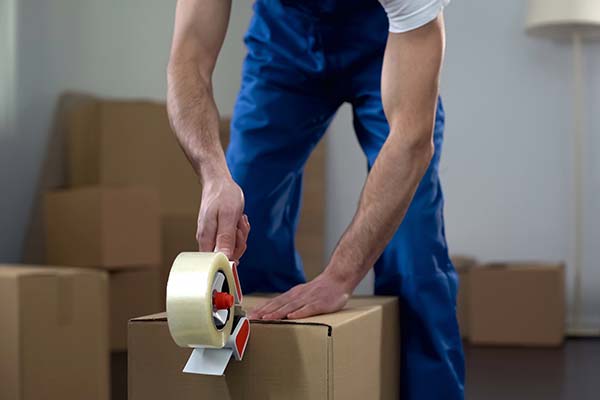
(222, 224)
(200, 27)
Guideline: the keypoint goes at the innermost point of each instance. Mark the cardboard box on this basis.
(54, 334)
(517, 304)
(463, 265)
(352, 354)
(132, 293)
(123, 143)
(110, 228)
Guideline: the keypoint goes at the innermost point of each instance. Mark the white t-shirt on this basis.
(406, 15)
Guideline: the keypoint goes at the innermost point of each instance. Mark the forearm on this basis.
(386, 196)
(195, 119)
(410, 82)
(200, 27)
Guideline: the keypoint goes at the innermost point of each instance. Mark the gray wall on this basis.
(507, 157)
(508, 163)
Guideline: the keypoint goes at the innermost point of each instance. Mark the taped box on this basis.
(102, 227)
(54, 334)
(517, 304)
(351, 354)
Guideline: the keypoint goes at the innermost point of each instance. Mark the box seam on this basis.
(329, 373)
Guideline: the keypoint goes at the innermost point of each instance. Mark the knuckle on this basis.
(225, 237)
(202, 233)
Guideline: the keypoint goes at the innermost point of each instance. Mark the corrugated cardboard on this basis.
(53, 335)
(463, 265)
(130, 143)
(352, 354)
(111, 228)
(133, 293)
(517, 304)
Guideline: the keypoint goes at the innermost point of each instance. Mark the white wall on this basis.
(506, 164)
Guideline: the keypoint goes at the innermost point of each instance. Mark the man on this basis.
(305, 58)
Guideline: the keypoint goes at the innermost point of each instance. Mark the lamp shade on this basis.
(564, 18)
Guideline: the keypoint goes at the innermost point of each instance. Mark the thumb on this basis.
(226, 232)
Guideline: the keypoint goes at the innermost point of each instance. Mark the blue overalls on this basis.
(305, 58)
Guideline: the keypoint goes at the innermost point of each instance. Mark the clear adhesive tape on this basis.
(190, 300)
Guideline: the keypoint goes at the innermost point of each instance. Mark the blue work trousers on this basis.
(304, 60)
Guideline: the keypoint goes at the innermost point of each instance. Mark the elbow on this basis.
(417, 142)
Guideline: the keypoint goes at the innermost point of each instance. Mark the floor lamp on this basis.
(577, 20)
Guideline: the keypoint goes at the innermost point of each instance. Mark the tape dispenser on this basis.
(204, 311)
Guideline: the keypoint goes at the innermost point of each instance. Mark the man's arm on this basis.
(410, 80)
(200, 27)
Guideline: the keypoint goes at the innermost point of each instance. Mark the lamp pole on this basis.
(578, 163)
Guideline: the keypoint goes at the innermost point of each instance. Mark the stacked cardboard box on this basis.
(112, 229)
(463, 265)
(130, 203)
(124, 143)
(517, 304)
(53, 336)
(351, 354)
(510, 303)
(131, 143)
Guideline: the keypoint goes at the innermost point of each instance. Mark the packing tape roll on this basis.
(190, 300)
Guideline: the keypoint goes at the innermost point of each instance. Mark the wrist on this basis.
(211, 171)
(346, 275)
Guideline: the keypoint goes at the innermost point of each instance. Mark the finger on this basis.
(307, 311)
(227, 220)
(206, 231)
(251, 313)
(283, 311)
(243, 229)
(244, 225)
(274, 304)
(240, 245)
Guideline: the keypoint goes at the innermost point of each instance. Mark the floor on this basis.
(569, 372)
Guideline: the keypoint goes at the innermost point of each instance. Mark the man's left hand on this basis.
(324, 294)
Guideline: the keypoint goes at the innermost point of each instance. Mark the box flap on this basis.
(521, 266)
(152, 317)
